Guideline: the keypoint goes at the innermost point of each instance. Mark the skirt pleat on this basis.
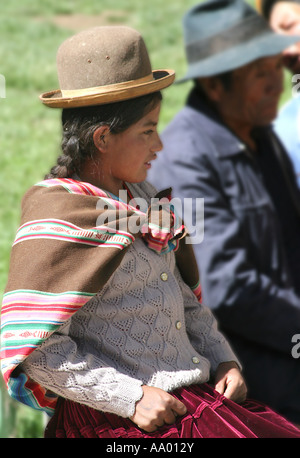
(209, 415)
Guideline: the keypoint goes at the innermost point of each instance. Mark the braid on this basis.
(72, 155)
(63, 168)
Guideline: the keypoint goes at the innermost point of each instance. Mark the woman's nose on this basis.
(157, 144)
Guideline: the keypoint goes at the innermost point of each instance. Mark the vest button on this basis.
(164, 276)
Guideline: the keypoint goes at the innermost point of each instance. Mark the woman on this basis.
(102, 327)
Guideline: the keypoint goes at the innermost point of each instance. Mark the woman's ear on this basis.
(100, 138)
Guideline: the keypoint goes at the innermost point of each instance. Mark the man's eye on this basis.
(261, 74)
(148, 132)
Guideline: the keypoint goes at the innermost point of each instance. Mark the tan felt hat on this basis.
(104, 65)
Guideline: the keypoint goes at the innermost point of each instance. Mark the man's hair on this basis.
(226, 79)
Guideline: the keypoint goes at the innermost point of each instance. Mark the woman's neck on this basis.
(96, 175)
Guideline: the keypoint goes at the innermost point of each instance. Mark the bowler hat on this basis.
(223, 35)
(104, 65)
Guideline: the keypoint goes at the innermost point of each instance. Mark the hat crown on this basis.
(211, 18)
(104, 65)
(102, 56)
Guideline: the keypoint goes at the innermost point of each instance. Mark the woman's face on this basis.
(128, 155)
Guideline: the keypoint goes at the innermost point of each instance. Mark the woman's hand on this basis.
(229, 382)
(156, 408)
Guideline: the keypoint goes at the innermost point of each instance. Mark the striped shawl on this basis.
(60, 259)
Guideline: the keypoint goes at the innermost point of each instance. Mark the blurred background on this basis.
(30, 33)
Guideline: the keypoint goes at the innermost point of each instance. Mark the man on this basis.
(284, 18)
(220, 147)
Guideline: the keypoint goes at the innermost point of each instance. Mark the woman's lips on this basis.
(148, 164)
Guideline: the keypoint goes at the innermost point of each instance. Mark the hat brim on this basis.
(161, 80)
(266, 45)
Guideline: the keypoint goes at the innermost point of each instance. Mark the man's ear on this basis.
(100, 138)
(213, 88)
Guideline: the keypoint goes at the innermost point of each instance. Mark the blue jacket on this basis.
(245, 276)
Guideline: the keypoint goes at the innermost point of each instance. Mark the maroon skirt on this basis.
(209, 415)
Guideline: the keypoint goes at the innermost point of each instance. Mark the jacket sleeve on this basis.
(246, 302)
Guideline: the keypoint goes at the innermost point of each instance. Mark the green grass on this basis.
(30, 33)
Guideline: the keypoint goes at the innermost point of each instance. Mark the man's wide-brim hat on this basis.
(104, 65)
(223, 35)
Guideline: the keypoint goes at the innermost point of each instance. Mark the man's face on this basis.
(252, 99)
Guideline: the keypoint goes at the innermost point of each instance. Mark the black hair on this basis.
(225, 78)
(266, 8)
(79, 125)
